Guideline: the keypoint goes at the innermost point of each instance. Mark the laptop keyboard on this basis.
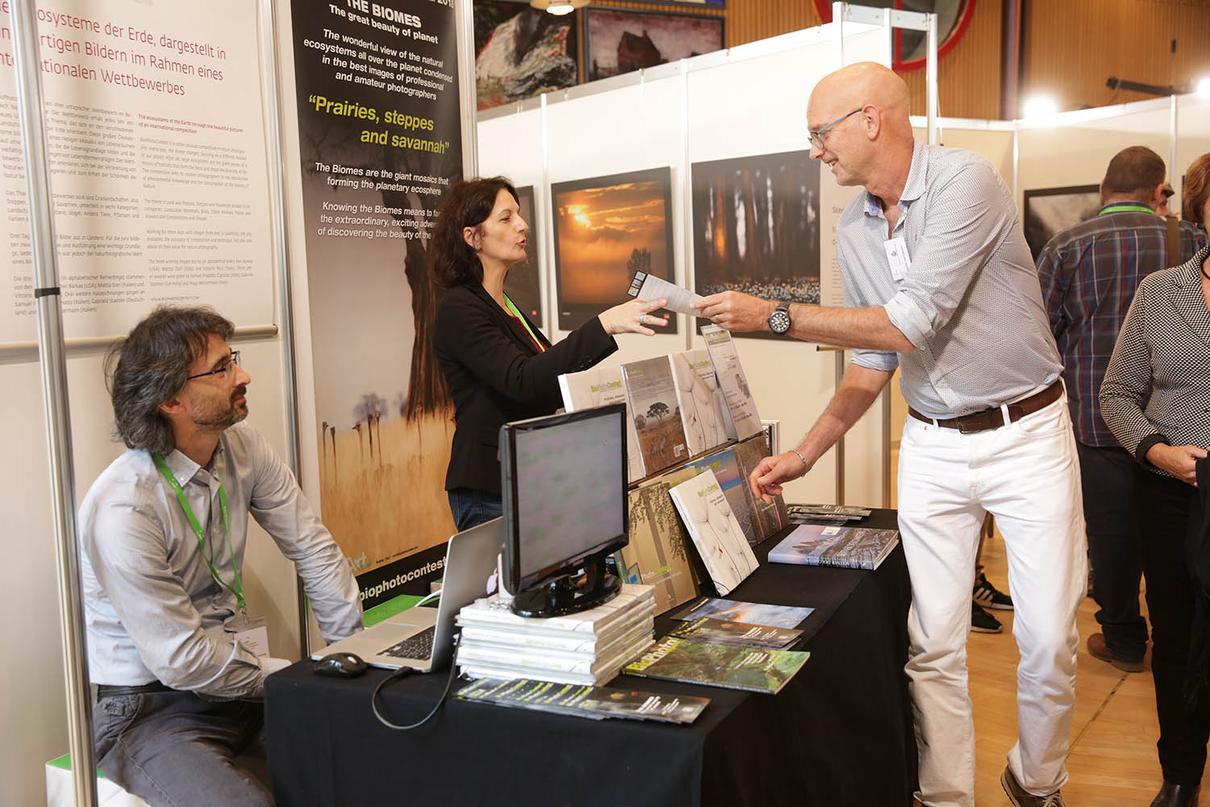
(419, 645)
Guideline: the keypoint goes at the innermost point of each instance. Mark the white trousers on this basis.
(1028, 476)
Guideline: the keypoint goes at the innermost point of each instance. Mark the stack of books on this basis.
(588, 647)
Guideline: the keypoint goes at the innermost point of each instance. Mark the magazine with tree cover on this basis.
(696, 388)
(771, 517)
(705, 629)
(601, 386)
(596, 703)
(725, 465)
(832, 545)
(658, 552)
(750, 613)
(651, 393)
(753, 669)
(716, 534)
(732, 381)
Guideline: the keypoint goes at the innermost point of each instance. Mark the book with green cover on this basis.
(596, 703)
(706, 629)
(752, 669)
(658, 553)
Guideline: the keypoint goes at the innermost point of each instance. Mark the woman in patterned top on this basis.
(1156, 400)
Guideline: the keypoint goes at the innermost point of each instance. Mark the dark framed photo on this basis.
(523, 285)
(756, 228)
(617, 42)
(1050, 211)
(606, 229)
(521, 52)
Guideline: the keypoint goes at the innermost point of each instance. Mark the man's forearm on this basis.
(858, 389)
(869, 328)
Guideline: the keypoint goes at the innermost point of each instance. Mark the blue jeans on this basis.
(471, 507)
(174, 748)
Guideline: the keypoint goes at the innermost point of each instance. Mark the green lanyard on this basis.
(513, 310)
(1126, 207)
(237, 588)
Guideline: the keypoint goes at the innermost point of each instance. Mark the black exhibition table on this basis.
(839, 734)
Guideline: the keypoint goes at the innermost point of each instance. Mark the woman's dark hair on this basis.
(468, 204)
(151, 365)
(1197, 191)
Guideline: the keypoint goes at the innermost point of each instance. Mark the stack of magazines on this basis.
(586, 648)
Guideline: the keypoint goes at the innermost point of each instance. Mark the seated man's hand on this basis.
(735, 311)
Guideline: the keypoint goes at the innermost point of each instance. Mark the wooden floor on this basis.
(1113, 736)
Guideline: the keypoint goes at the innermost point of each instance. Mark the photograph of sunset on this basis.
(606, 229)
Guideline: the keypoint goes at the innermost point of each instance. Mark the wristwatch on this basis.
(779, 320)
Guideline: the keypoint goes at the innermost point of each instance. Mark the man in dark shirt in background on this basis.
(1089, 274)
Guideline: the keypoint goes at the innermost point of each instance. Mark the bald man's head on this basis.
(868, 105)
(861, 84)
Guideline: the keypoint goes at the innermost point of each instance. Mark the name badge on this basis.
(897, 256)
(251, 632)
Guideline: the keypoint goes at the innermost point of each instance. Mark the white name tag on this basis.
(251, 632)
(897, 256)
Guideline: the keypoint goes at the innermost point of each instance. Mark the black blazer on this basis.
(495, 374)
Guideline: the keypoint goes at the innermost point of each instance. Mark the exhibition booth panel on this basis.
(698, 171)
(1192, 138)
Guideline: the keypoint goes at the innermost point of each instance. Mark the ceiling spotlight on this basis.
(1203, 87)
(558, 7)
(1039, 106)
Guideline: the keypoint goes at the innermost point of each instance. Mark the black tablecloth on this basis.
(839, 734)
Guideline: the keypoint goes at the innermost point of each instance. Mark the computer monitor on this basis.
(564, 495)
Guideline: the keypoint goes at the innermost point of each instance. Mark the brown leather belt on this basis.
(994, 418)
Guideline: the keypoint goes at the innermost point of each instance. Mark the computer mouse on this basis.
(340, 665)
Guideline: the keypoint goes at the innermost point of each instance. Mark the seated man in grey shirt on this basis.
(178, 664)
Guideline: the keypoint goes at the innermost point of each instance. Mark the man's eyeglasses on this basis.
(223, 371)
(816, 137)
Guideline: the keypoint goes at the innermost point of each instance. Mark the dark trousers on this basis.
(1108, 478)
(173, 749)
(1164, 505)
(470, 507)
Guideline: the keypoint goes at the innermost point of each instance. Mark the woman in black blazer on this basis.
(1156, 400)
(497, 364)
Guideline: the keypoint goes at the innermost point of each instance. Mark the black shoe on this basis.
(988, 596)
(1172, 795)
(983, 622)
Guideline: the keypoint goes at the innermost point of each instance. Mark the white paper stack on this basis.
(588, 648)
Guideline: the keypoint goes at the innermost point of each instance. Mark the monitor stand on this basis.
(578, 590)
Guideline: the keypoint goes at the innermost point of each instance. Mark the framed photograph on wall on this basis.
(618, 42)
(523, 284)
(1049, 211)
(756, 228)
(606, 229)
(521, 52)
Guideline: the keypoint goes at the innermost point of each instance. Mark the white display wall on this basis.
(747, 101)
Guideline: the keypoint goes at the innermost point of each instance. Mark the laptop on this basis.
(423, 638)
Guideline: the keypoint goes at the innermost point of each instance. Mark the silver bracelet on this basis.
(798, 454)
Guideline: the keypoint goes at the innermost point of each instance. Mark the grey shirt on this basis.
(153, 611)
(970, 300)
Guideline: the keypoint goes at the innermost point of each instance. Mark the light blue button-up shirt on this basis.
(970, 300)
(152, 609)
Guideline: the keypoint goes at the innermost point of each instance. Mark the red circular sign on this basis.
(953, 18)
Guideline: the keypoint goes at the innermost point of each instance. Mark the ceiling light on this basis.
(1203, 87)
(1039, 106)
(558, 7)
